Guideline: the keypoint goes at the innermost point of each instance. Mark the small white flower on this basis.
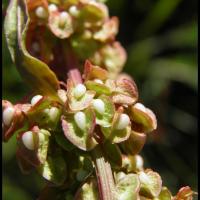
(80, 120)
(52, 8)
(123, 121)
(74, 11)
(41, 12)
(35, 99)
(79, 91)
(8, 114)
(99, 106)
(28, 140)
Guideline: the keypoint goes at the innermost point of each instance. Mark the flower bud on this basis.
(8, 114)
(74, 11)
(79, 91)
(41, 12)
(123, 121)
(35, 99)
(99, 106)
(80, 120)
(53, 113)
(63, 95)
(52, 8)
(28, 140)
(98, 81)
(140, 106)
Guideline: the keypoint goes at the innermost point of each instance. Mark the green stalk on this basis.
(104, 175)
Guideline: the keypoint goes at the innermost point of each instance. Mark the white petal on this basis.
(41, 12)
(140, 106)
(28, 140)
(139, 162)
(79, 91)
(143, 178)
(99, 106)
(35, 99)
(8, 114)
(52, 8)
(80, 120)
(123, 122)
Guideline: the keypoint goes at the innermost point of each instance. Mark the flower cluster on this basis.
(56, 137)
(84, 29)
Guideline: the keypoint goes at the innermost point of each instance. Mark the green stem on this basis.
(104, 175)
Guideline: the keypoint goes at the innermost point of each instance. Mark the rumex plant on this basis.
(83, 126)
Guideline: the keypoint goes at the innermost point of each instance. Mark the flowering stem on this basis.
(104, 175)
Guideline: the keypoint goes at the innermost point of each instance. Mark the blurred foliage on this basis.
(161, 40)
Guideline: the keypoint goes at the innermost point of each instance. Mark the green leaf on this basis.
(89, 190)
(81, 138)
(165, 194)
(151, 183)
(34, 72)
(54, 169)
(128, 187)
(98, 87)
(61, 140)
(112, 151)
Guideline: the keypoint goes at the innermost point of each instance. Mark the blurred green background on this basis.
(160, 37)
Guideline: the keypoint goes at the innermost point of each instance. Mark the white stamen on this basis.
(99, 106)
(8, 114)
(80, 120)
(63, 95)
(52, 8)
(139, 106)
(123, 122)
(53, 113)
(35, 99)
(41, 12)
(64, 16)
(28, 140)
(98, 81)
(79, 91)
(74, 11)
(139, 162)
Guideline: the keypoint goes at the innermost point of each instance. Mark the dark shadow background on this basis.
(160, 37)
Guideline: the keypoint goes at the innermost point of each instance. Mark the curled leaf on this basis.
(134, 144)
(144, 120)
(81, 138)
(34, 72)
(99, 88)
(94, 72)
(151, 183)
(128, 187)
(89, 190)
(54, 169)
(184, 193)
